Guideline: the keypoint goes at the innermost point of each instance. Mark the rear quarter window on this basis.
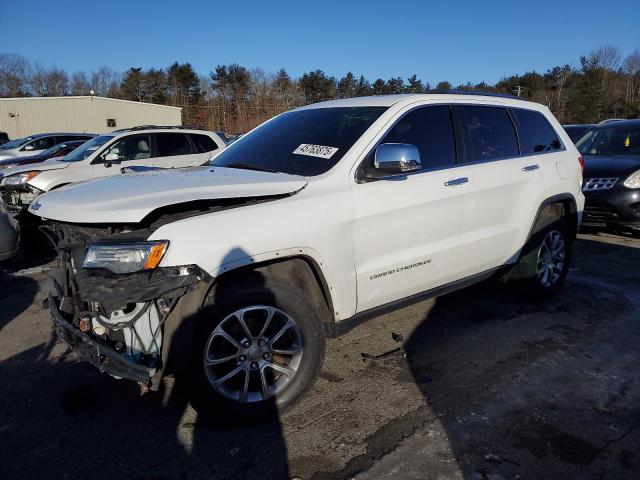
(536, 134)
(203, 143)
(491, 133)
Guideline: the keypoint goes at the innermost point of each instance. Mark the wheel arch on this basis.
(300, 271)
(563, 205)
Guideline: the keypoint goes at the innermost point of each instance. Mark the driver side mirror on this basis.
(110, 159)
(392, 159)
(29, 148)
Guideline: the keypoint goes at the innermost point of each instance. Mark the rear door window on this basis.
(491, 133)
(203, 143)
(172, 144)
(430, 129)
(536, 134)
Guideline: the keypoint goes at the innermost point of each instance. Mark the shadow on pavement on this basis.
(18, 293)
(530, 389)
(536, 390)
(60, 419)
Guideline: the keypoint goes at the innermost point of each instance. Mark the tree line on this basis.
(603, 84)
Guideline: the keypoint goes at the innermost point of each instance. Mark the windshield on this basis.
(18, 142)
(618, 139)
(86, 149)
(303, 142)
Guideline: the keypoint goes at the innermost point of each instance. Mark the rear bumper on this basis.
(617, 206)
(101, 356)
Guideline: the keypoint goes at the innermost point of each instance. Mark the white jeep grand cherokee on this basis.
(163, 147)
(233, 274)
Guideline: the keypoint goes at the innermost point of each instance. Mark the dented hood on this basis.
(131, 197)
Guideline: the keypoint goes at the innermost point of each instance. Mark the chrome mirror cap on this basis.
(396, 159)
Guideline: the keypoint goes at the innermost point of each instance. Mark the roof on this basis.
(388, 100)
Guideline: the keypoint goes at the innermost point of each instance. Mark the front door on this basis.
(408, 235)
(131, 150)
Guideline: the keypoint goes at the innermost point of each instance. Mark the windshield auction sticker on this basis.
(315, 150)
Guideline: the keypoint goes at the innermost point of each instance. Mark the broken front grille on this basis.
(591, 184)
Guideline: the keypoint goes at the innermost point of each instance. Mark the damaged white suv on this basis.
(232, 275)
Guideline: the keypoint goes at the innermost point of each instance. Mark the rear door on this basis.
(408, 234)
(174, 150)
(504, 188)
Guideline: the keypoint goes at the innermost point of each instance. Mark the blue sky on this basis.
(437, 40)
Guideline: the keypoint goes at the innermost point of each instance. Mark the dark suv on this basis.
(611, 185)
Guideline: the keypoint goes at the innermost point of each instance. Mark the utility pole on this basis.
(518, 90)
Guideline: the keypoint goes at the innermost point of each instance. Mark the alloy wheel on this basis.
(253, 354)
(551, 258)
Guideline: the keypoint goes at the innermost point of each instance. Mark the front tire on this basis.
(258, 350)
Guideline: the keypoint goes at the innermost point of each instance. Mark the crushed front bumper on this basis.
(101, 356)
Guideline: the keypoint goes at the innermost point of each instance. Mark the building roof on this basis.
(85, 97)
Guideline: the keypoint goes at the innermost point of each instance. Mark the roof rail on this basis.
(150, 127)
(478, 92)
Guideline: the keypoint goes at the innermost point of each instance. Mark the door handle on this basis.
(530, 168)
(456, 181)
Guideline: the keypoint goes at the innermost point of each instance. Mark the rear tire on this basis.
(272, 372)
(545, 260)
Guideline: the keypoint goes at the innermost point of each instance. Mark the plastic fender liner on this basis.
(179, 328)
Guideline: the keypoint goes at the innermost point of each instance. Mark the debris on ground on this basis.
(396, 352)
(397, 337)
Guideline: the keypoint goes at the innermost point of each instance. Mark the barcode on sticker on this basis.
(315, 150)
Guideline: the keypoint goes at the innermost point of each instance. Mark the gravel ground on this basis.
(486, 385)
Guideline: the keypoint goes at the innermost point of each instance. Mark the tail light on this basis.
(581, 161)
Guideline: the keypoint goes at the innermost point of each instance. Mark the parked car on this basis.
(145, 146)
(575, 131)
(33, 144)
(611, 185)
(233, 274)
(9, 234)
(59, 150)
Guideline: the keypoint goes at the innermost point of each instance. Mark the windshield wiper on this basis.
(246, 166)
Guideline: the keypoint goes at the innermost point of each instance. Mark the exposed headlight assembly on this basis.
(633, 180)
(125, 257)
(18, 179)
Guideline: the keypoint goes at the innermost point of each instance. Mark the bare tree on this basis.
(52, 82)
(80, 84)
(607, 57)
(105, 82)
(631, 67)
(15, 71)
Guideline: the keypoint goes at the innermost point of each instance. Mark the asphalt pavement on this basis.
(480, 383)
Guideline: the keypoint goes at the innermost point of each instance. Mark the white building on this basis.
(20, 117)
